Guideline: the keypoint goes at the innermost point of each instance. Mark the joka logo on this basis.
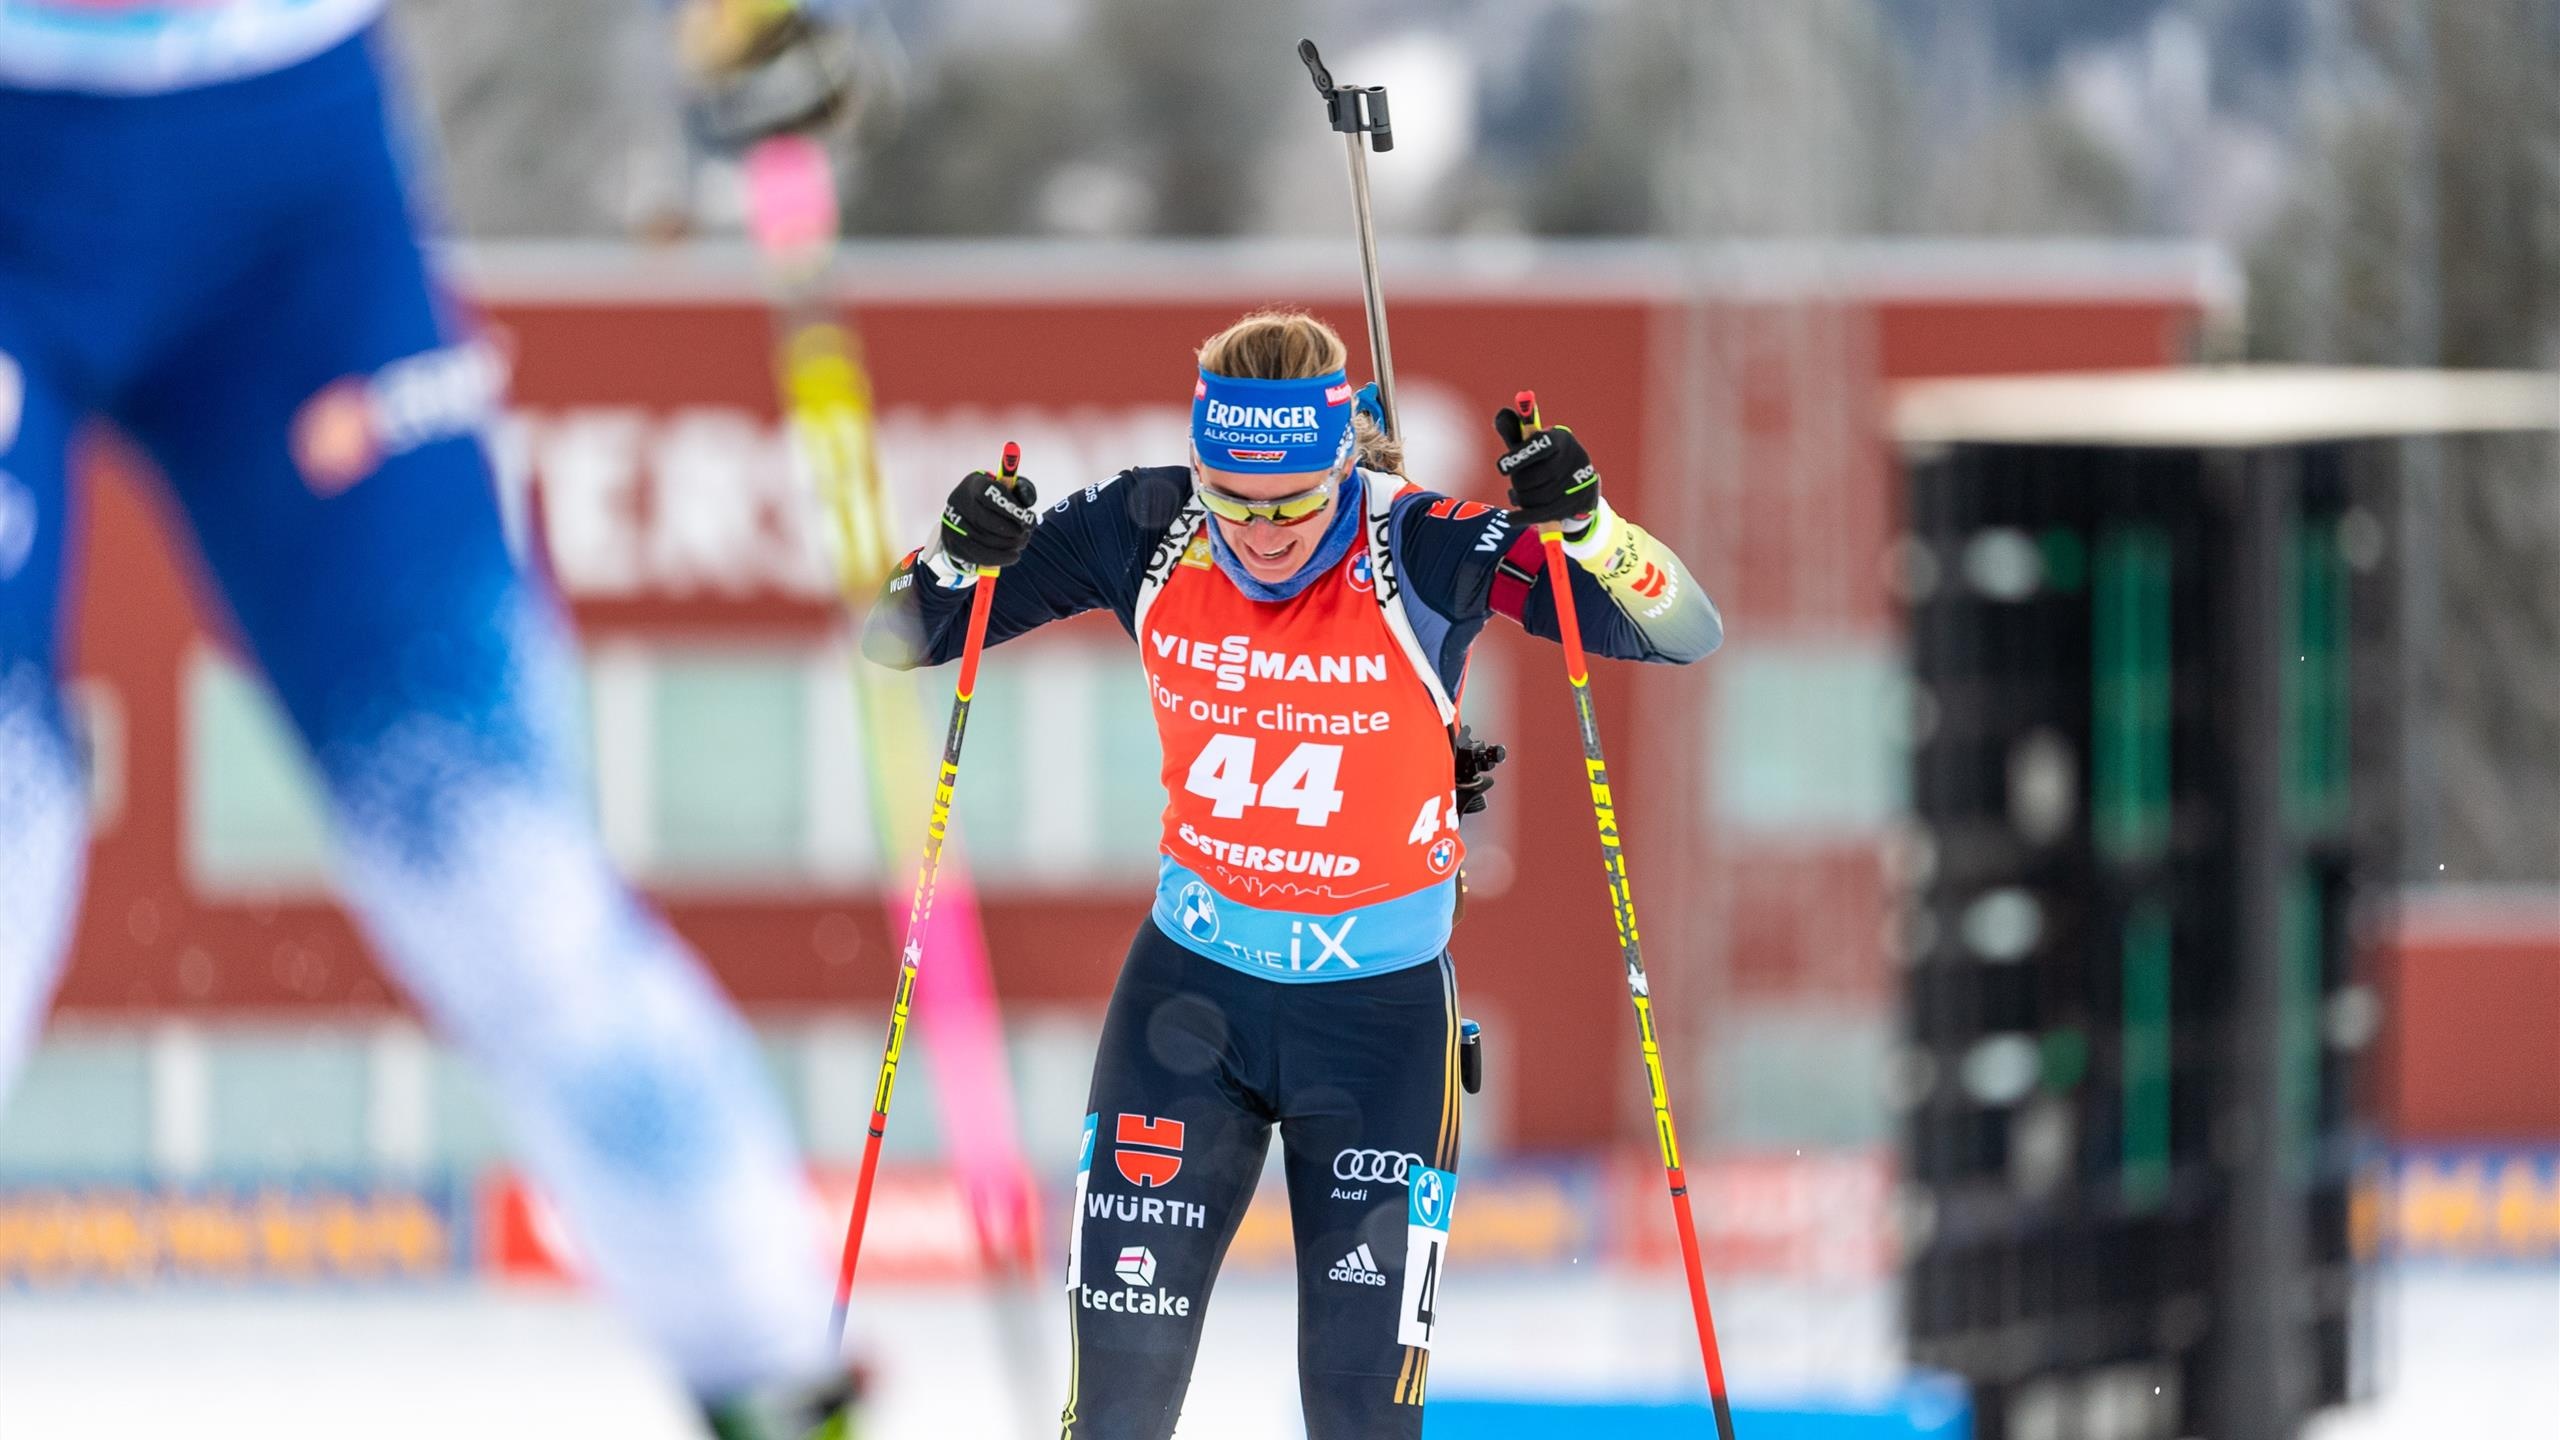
(1442, 856)
(1385, 1167)
(1137, 1266)
(1356, 572)
(1177, 540)
(1381, 528)
(1196, 910)
(1358, 1268)
(1158, 1156)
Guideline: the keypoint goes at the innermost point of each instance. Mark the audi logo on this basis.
(1385, 1167)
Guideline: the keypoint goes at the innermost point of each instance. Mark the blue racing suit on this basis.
(1204, 1051)
(206, 241)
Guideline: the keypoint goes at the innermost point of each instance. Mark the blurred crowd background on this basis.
(2384, 173)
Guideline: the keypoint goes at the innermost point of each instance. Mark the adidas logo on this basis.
(1357, 1268)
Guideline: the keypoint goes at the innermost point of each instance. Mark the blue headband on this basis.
(1271, 427)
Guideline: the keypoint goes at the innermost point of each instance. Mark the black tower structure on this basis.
(2156, 627)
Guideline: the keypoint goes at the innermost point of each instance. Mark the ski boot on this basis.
(788, 1412)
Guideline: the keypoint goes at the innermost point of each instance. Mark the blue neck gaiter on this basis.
(1339, 536)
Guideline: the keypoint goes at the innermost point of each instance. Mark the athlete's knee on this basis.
(1139, 1268)
(1122, 1387)
(516, 932)
(578, 1002)
(428, 726)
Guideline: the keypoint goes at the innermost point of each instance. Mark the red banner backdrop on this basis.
(1744, 428)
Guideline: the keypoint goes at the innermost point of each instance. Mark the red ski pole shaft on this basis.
(1622, 907)
(919, 911)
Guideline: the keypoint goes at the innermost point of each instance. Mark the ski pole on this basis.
(1622, 907)
(1360, 113)
(911, 959)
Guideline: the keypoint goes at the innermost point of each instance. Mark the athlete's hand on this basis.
(1476, 761)
(1552, 477)
(987, 522)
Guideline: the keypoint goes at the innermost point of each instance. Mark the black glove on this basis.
(1476, 759)
(1551, 475)
(761, 70)
(987, 523)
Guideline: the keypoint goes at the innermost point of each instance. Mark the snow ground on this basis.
(2475, 1354)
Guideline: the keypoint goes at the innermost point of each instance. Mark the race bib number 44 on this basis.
(1430, 1194)
(1304, 783)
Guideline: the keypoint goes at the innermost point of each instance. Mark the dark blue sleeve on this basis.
(1445, 552)
(1461, 561)
(1087, 554)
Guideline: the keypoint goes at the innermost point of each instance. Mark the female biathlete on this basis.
(1303, 615)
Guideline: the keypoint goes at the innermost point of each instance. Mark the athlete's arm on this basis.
(1462, 562)
(1634, 598)
(1085, 553)
(1466, 562)
(1651, 607)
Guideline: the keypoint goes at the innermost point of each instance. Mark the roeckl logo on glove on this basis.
(1538, 445)
(998, 496)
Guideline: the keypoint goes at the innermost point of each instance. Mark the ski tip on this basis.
(1526, 403)
(1012, 460)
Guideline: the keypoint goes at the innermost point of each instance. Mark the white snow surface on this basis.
(2465, 1353)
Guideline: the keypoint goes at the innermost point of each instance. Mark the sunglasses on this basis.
(1287, 510)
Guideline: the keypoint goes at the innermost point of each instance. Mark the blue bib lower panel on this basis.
(1296, 946)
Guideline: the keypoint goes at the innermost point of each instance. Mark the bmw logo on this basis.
(1442, 856)
(1357, 571)
(1430, 1197)
(1196, 910)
